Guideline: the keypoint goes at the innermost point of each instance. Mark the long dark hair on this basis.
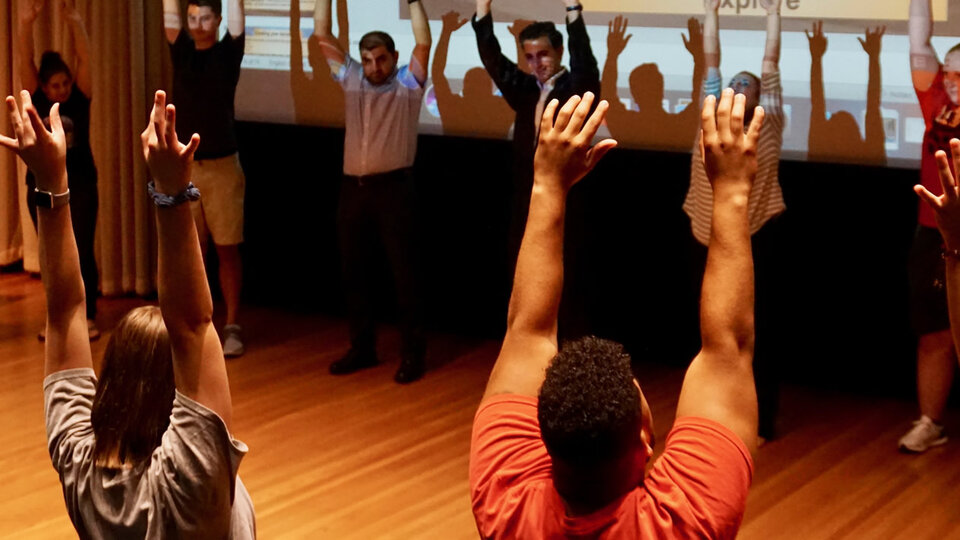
(131, 410)
(52, 63)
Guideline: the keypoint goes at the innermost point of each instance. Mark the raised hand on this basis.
(518, 26)
(169, 160)
(617, 37)
(69, 8)
(452, 22)
(30, 11)
(772, 7)
(565, 153)
(872, 41)
(44, 151)
(694, 43)
(729, 151)
(946, 207)
(711, 5)
(818, 41)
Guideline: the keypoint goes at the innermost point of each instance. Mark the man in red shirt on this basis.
(561, 440)
(938, 89)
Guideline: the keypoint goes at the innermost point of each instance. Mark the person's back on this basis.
(562, 437)
(188, 487)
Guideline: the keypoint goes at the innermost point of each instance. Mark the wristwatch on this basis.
(46, 199)
(578, 7)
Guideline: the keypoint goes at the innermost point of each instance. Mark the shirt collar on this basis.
(552, 81)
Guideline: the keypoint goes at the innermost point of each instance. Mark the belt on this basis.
(367, 179)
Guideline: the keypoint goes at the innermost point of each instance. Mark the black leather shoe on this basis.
(410, 370)
(352, 362)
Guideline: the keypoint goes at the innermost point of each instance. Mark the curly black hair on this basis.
(589, 408)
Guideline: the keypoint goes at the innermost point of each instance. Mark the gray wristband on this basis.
(189, 193)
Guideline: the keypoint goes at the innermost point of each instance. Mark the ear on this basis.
(560, 51)
(396, 56)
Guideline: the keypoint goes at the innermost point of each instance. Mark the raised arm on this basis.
(441, 85)
(198, 366)
(946, 210)
(924, 64)
(617, 40)
(875, 136)
(719, 383)
(332, 50)
(172, 24)
(81, 45)
(508, 77)
(67, 344)
(584, 70)
(27, 67)
(420, 60)
(818, 101)
(711, 34)
(694, 45)
(236, 20)
(564, 156)
(771, 52)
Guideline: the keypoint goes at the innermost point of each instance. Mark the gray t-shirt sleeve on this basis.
(195, 467)
(187, 489)
(68, 400)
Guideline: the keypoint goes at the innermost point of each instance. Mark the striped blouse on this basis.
(766, 199)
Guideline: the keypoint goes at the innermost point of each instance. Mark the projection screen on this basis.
(285, 79)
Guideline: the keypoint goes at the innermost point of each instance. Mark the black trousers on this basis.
(380, 212)
(84, 205)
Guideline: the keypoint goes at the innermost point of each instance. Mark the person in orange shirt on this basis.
(562, 440)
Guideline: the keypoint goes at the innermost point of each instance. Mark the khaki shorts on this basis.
(219, 212)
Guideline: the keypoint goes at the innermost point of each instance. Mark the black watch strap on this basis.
(46, 199)
(578, 7)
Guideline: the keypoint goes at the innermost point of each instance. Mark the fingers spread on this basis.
(563, 119)
(546, 122)
(7, 142)
(753, 135)
(736, 115)
(708, 118)
(14, 115)
(580, 114)
(191, 147)
(724, 111)
(927, 197)
(595, 121)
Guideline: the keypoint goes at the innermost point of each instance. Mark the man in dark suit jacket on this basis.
(529, 93)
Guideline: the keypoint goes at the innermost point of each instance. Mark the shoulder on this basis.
(68, 401)
(705, 474)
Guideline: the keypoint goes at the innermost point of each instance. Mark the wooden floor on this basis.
(360, 457)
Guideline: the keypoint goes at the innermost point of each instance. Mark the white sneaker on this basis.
(232, 343)
(924, 435)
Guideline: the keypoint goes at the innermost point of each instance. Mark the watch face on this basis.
(44, 199)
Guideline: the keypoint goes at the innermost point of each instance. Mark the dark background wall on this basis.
(833, 286)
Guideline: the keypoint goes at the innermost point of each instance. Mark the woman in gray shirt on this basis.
(146, 450)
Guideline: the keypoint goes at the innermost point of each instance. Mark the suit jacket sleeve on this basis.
(505, 74)
(583, 64)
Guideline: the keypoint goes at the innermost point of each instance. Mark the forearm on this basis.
(237, 17)
(420, 24)
(726, 313)
(59, 259)
(771, 53)
(184, 294)
(483, 8)
(323, 19)
(171, 16)
(921, 28)
(711, 39)
(343, 24)
(572, 15)
(953, 294)
(439, 66)
(817, 95)
(609, 82)
(538, 282)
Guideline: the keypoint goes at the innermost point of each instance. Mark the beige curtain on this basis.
(129, 60)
